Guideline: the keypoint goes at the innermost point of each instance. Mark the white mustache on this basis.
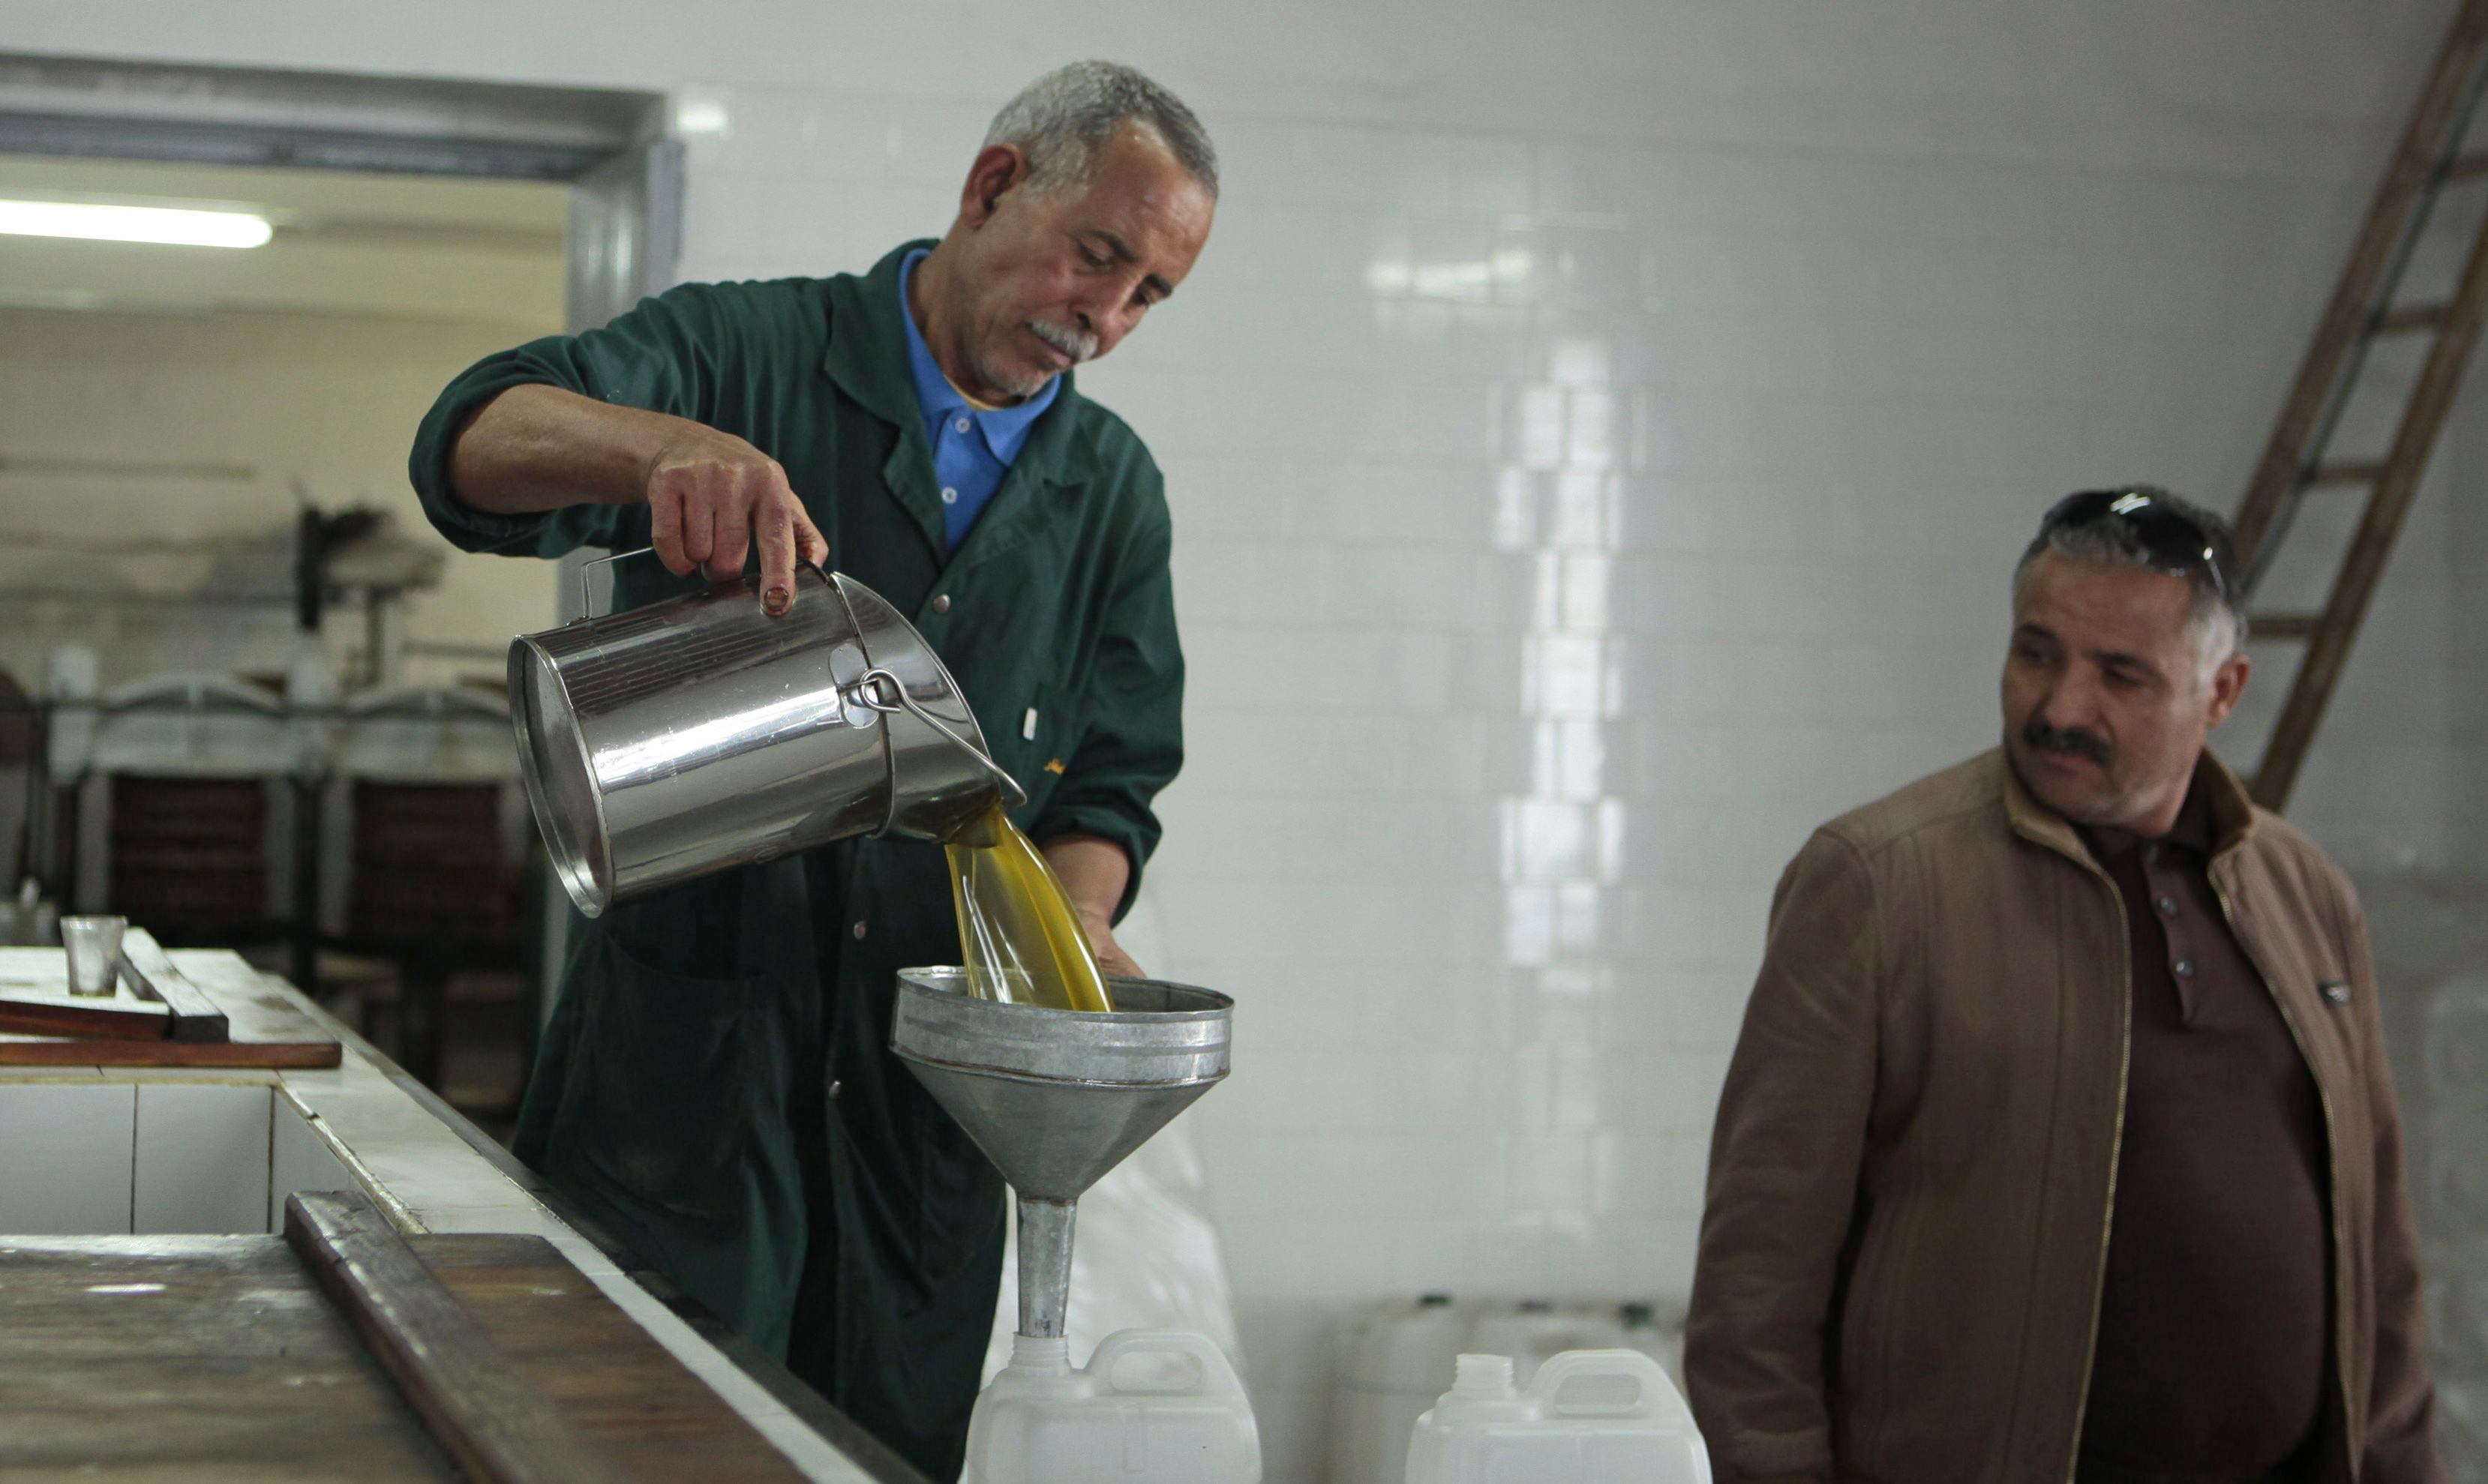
(1071, 342)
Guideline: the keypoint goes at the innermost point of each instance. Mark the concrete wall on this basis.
(169, 409)
(232, 420)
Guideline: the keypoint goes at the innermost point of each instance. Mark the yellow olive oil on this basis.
(1018, 936)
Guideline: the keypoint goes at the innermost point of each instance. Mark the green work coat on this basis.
(717, 1084)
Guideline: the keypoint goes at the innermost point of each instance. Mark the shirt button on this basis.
(960, 426)
(2168, 907)
(942, 603)
(858, 932)
(2183, 967)
(836, 1087)
(949, 496)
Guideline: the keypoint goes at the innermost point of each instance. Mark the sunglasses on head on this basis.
(2176, 542)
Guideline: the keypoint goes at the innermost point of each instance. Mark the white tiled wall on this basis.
(202, 1157)
(65, 1155)
(88, 1152)
(1598, 436)
(2466, 680)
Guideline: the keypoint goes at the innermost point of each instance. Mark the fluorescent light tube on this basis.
(182, 227)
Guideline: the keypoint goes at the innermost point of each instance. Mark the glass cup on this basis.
(94, 948)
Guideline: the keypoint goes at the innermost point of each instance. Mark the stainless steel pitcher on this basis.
(663, 742)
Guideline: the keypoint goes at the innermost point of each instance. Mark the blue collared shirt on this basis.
(973, 449)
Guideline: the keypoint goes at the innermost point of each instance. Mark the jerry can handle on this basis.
(1211, 1374)
(868, 691)
(1652, 1386)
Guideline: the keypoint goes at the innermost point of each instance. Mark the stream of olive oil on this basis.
(1020, 939)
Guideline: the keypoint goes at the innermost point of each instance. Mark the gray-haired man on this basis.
(2059, 1142)
(716, 1086)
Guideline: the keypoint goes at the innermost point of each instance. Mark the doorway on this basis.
(225, 615)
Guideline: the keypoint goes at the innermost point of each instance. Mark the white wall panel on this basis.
(65, 1157)
(202, 1159)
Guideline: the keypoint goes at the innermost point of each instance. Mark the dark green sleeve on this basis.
(662, 356)
(1133, 744)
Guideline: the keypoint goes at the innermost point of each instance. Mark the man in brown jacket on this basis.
(2059, 1142)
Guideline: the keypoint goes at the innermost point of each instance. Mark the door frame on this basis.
(611, 148)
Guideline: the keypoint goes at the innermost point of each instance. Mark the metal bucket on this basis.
(667, 741)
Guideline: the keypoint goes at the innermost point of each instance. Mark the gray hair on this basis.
(1062, 118)
(2219, 626)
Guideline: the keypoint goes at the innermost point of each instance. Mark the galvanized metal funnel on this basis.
(1057, 1098)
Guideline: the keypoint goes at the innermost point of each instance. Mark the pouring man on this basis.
(715, 1086)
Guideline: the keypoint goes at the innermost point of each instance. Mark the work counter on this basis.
(116, 1167)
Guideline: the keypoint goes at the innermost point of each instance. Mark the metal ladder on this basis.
(2364, 310)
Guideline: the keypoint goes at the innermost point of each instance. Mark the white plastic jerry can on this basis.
(1393, 1362)
(1154, 1407)
(1588, 1417)
(1533, 1330)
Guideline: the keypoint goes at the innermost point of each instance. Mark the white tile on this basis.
(202, 1159)
(64, 1158)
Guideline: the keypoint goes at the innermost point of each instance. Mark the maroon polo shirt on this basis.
(2215, 1314)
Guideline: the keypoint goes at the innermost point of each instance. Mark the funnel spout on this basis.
(1044, 1265)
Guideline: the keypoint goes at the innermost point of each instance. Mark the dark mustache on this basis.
(2040, 736)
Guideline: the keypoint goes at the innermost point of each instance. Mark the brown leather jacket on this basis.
(1913, 1170)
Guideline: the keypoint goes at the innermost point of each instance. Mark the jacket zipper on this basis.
(2332, 1157)
(2115, 1156)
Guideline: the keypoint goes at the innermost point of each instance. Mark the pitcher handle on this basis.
(587, 603)
(867, 692)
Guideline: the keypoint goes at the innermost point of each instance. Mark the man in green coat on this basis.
(715, 1086)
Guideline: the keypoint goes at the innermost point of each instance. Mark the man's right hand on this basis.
(711, 498)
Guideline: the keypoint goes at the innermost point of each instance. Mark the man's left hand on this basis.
(1112, 959)
(1094, 871)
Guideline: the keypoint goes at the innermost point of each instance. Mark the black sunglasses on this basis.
(2176, 542)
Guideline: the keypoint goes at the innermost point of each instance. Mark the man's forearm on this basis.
(538, 447)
